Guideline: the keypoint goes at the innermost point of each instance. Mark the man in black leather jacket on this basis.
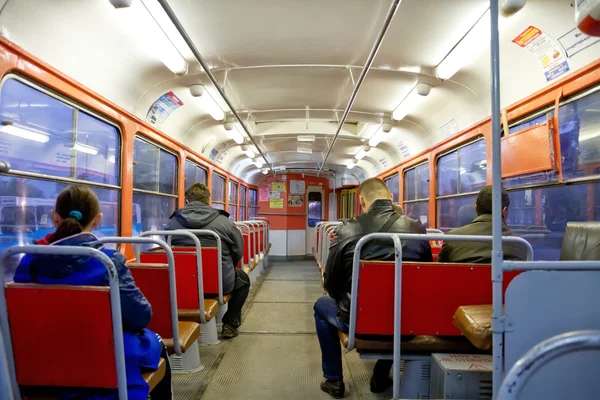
(331, 312)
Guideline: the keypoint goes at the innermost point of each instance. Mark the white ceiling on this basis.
(280, 56)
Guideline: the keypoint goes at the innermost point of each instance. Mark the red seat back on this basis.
(261, 239)
(153, 281)
(246, 249)
(62, 335)
(431, 293)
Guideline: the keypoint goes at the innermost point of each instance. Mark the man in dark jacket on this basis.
(481, 252)
(197, 214)
(332, 312)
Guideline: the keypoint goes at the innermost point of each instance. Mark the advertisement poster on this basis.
(162, 108)
(274, 195)
(278, 187)
(297, 187)
(547, 51)
(574, 41)
(263, 194)
(276, 203)
(296, 200)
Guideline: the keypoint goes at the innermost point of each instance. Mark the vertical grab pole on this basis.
(497, 256)
(397, 311)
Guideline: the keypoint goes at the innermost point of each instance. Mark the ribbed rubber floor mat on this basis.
(289, 291)
(294, 272)
(277, 367)
(280, 318)
(187, 386)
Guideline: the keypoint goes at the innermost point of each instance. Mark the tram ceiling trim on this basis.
(374, 50)
(209, 73)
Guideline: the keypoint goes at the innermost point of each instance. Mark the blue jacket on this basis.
(142, 347)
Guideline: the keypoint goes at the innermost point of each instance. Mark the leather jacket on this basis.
(338, 270)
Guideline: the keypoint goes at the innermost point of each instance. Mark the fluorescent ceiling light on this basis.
(264, 171)
(377, 138)
(306, 138)
(206, 102)
(361, 154)
(258, 162)
(24, 133)
(85, 148)
(236, 135)
(154, 32)
(469, 48)
(351, 165)
(304, 150)
(408, 105)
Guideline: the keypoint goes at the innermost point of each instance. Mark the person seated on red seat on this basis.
(332, 311)
(76, 214)
(197, 214)
(481, 252)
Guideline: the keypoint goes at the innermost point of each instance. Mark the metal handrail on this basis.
(543, 353)
(267, 225)
(255, 226)
(198, 245)
(432, 231)
(115, 306)
(323, 239)
(397, 237)
(172, 281)
(264, 234)
(329, 229)
(245, 226)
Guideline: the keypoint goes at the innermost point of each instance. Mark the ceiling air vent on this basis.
(306, 138)
(305, 150)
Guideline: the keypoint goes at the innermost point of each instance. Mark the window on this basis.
(194, 174)
(393, 183)
(416, 193)
(233, 193)
(52, 143)
(460, 175)
(218, 191)
(154, 186)
(243, 203)
(252, 204)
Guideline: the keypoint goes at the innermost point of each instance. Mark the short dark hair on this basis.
(198, 192)
(484, 200)
(374, 188)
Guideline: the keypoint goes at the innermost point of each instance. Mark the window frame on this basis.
(140, 135)
(244, 204)
(196, 165)
(389, 177)
(437, 161)
(236, 199)
(77, 107)
(225, 187)
(250, 205)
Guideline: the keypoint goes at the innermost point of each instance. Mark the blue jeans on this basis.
(327, 324)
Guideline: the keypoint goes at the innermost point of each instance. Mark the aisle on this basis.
(277, 354)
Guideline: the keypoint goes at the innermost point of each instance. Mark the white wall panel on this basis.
(278, 241)
(296, 242)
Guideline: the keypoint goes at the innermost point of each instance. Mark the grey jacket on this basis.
(197, 215)
(479, 252)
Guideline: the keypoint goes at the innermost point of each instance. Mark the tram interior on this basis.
(282, 108)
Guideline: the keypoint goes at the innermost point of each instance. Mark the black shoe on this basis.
(335, 389)
(379, 384)
(229, 331)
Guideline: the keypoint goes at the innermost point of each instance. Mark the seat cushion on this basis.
(475, 323)
(152, 378)
(411, 344)
(211, 306)
(189, 332)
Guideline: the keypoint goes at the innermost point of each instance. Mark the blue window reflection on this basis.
(393, 184)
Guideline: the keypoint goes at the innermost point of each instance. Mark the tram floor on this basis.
(277, 354)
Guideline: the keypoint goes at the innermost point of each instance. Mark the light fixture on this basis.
(8, 127)
(469, 47)
(304, 150)
(206, 102)
(85, 148)
(412, 101)
(154, 32)
(264, 171)
(351, 165)
(361, 154)
(306, 138)
(247, 151)
(379, 135)
(258, 162)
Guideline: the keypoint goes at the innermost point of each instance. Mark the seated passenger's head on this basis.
(370, 190)
(483, 205)
(77, 210)
(198, 192)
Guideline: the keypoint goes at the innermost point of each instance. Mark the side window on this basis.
(51, 144)
(218, 191)
(154, 185)
(243, 203)
(460, 175)
(233, 193)
(393, 183)
(416, 193)
(252, 203)
(194, 174)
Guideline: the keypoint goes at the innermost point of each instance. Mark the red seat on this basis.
(431, 293)
(56, 330)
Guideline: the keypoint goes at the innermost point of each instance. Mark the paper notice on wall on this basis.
(450, 128)
(278, 186)
(162, 108)
(263, 194)
(274, 195)
(276, 203)
(575, 41)
(295, 200)
(297, 187)
(549, 53)
(404, 149)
